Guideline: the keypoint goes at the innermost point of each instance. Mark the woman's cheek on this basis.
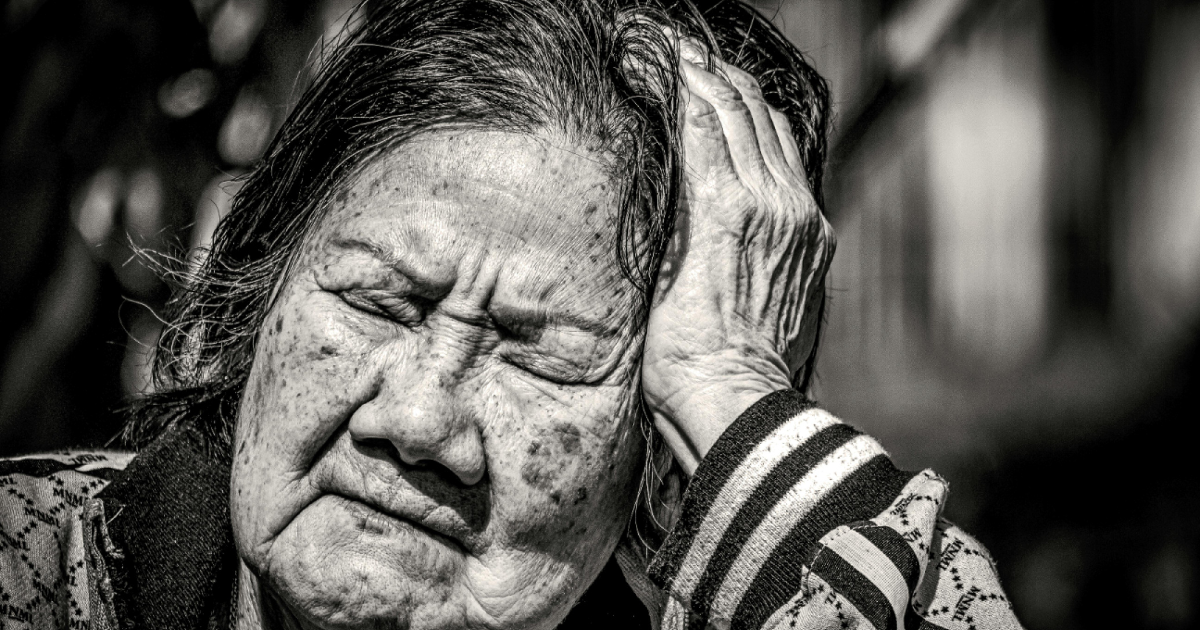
(320, 374)
(557, 462)
(308, 376)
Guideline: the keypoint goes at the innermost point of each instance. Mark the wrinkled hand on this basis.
(735, 312)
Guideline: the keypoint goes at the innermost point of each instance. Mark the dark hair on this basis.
(601, 72)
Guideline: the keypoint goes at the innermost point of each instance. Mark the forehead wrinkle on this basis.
(495, 208)
(601, 303)
(476, 281)
(460, 197)
(456, 155)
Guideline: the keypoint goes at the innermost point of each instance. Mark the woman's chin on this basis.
(339, 564)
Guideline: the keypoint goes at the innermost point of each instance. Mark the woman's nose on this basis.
(419, 410)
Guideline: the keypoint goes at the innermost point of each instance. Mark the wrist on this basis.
(693, 417)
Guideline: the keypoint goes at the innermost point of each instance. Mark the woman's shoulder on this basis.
(46, 486)
(42, 497)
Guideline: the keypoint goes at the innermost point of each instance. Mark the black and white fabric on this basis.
(797, 520)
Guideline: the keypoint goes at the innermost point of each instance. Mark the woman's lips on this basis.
(378, 520)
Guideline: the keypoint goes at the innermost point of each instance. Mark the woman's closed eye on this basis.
(563, 357)
(406, 310)
(547, 368)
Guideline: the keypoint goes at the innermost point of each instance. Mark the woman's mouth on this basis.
(374, 519)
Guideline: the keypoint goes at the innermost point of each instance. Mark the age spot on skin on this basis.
(546, 464)
(540, 473)
(548, 460)
(568, 436)
(571, 524)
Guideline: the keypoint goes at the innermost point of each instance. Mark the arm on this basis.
(796, 518)
(791, 517)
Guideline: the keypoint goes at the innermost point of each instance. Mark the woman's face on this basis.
(439, 428)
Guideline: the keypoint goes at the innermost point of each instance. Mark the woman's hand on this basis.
(735, 312)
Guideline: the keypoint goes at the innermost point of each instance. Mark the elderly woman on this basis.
(513, 275)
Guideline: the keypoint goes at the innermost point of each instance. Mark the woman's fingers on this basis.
(787, 143)
(758, 146)
(732, 116)
(705, 149)
(769, 141)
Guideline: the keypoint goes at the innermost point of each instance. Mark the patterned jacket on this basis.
(793, 520)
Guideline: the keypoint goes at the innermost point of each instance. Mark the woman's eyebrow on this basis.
(426, 284)
(374, 250)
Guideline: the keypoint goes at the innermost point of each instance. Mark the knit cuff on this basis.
(779, 478)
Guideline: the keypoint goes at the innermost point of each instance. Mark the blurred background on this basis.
(1015, 300)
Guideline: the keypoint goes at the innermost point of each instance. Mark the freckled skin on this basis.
(433, 433)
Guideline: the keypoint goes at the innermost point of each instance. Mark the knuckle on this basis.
(827, 229)
(726, 96)
(705, 123)
(700, 109)
(745, 82)
(694, 45)
(828, 238)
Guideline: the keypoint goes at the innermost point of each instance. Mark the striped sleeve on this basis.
(795, 519)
